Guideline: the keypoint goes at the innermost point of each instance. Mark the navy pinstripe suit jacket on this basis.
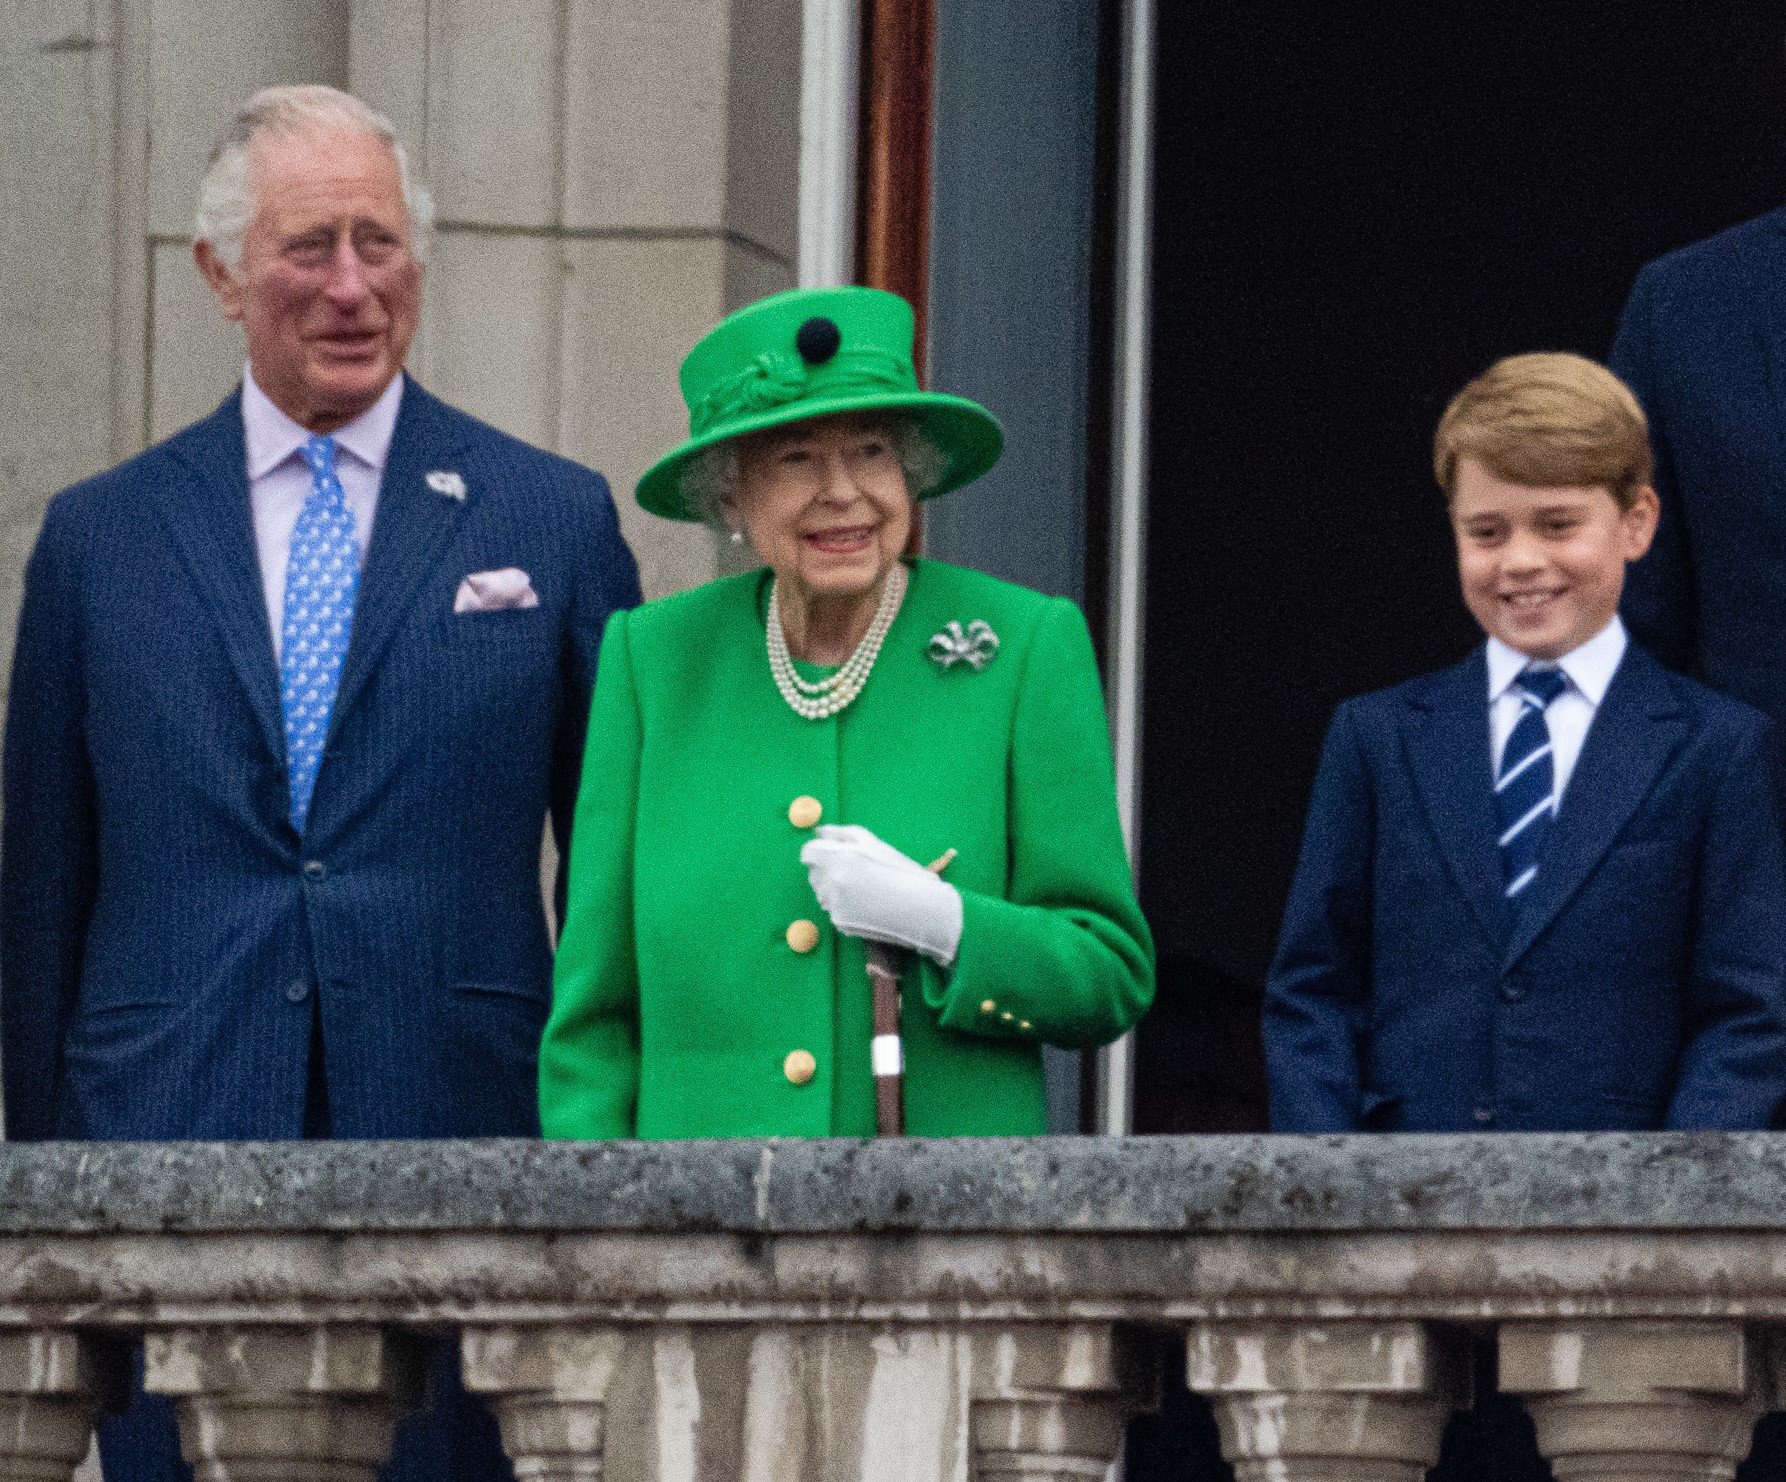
(163, 928)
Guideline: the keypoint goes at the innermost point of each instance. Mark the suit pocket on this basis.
(496, 1029)
(495, 669)
(101, 1038)
(522, 991)
(496, 619)
(131, 1007)
(493, 1043)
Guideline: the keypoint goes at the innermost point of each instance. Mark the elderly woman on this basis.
(842, 749)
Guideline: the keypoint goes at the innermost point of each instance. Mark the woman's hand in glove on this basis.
(869, 889)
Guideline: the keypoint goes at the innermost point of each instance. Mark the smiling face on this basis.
(328, 289)
(825, 504)
(1542, 569)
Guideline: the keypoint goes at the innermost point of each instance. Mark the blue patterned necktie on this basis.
(322, 578)
(1524, 792)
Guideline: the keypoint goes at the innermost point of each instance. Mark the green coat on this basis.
(677, 996)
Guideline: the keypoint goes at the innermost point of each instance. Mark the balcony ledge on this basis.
(997, 1307)
(1101, 1185)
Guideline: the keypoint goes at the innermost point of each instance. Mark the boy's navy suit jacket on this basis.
(163, 930)
(1638, 985)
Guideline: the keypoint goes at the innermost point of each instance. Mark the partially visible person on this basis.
(1703, 344)
(1543, 890)
(1702, 341)
(294, 694)
(776, 757)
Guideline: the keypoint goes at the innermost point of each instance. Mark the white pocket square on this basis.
(496, 591)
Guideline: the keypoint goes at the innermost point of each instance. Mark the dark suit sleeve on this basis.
(1659, 604)
(606, 581)
(1732, 1072)
(589, 1054)
(47, 843)
(1317, 995)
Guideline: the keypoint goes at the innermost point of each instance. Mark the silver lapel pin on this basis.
(442, 481)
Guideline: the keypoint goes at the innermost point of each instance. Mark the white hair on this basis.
(714, 477)
(226, 193)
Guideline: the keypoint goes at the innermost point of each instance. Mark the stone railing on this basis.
(790, 1312)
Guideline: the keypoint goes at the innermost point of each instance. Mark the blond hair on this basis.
(1547, 421)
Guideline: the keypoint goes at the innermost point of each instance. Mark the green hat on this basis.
(807, 353)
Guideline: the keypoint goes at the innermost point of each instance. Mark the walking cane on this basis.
(888, 1051)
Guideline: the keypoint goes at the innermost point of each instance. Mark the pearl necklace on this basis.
(817, 699)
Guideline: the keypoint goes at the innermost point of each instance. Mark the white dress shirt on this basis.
(279, 480)
(1588, 670)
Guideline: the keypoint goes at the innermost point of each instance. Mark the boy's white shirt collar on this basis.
(1588, 668)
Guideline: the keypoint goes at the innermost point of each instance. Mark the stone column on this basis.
(611, 179)
(549, 1388)
(1636, 1399)
(1332, 1401)
(1049, 1402)
(51, 1385)
(285, 1404)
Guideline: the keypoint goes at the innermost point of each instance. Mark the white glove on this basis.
(869, 889)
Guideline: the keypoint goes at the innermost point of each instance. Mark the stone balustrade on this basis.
(790, 1312)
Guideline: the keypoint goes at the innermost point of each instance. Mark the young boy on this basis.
(1542, 890)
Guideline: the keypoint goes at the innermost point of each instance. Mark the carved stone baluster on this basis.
(1050, 1401)
(1337, 1401)
(549, 1388)
(1627, 1399)
(51, 1385)
(285, 1404)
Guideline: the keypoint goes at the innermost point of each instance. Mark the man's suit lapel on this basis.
(213, 530)
(409, 532)
(1636, 729)
(1448, 752)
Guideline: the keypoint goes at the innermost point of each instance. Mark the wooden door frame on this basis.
(898, 75)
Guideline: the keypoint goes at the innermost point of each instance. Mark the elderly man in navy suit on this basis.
(293, 695)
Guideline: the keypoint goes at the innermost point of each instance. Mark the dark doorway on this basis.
(1358, 207)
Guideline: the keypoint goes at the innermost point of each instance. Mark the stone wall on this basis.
(611, 175)
(922, 1311)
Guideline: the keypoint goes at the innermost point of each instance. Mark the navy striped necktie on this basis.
(1525, 790)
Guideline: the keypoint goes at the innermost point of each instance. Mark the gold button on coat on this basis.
(804, 811)
(799, 1067)
(803, 935)
(987, 1006)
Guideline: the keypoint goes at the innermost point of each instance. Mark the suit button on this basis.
(804, 812)
(1485, 1116)
(803, 935)
(799, 1067)
(315, 869)
(297, 991)
(1515, 987)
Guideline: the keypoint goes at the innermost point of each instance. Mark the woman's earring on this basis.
(737, 537)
